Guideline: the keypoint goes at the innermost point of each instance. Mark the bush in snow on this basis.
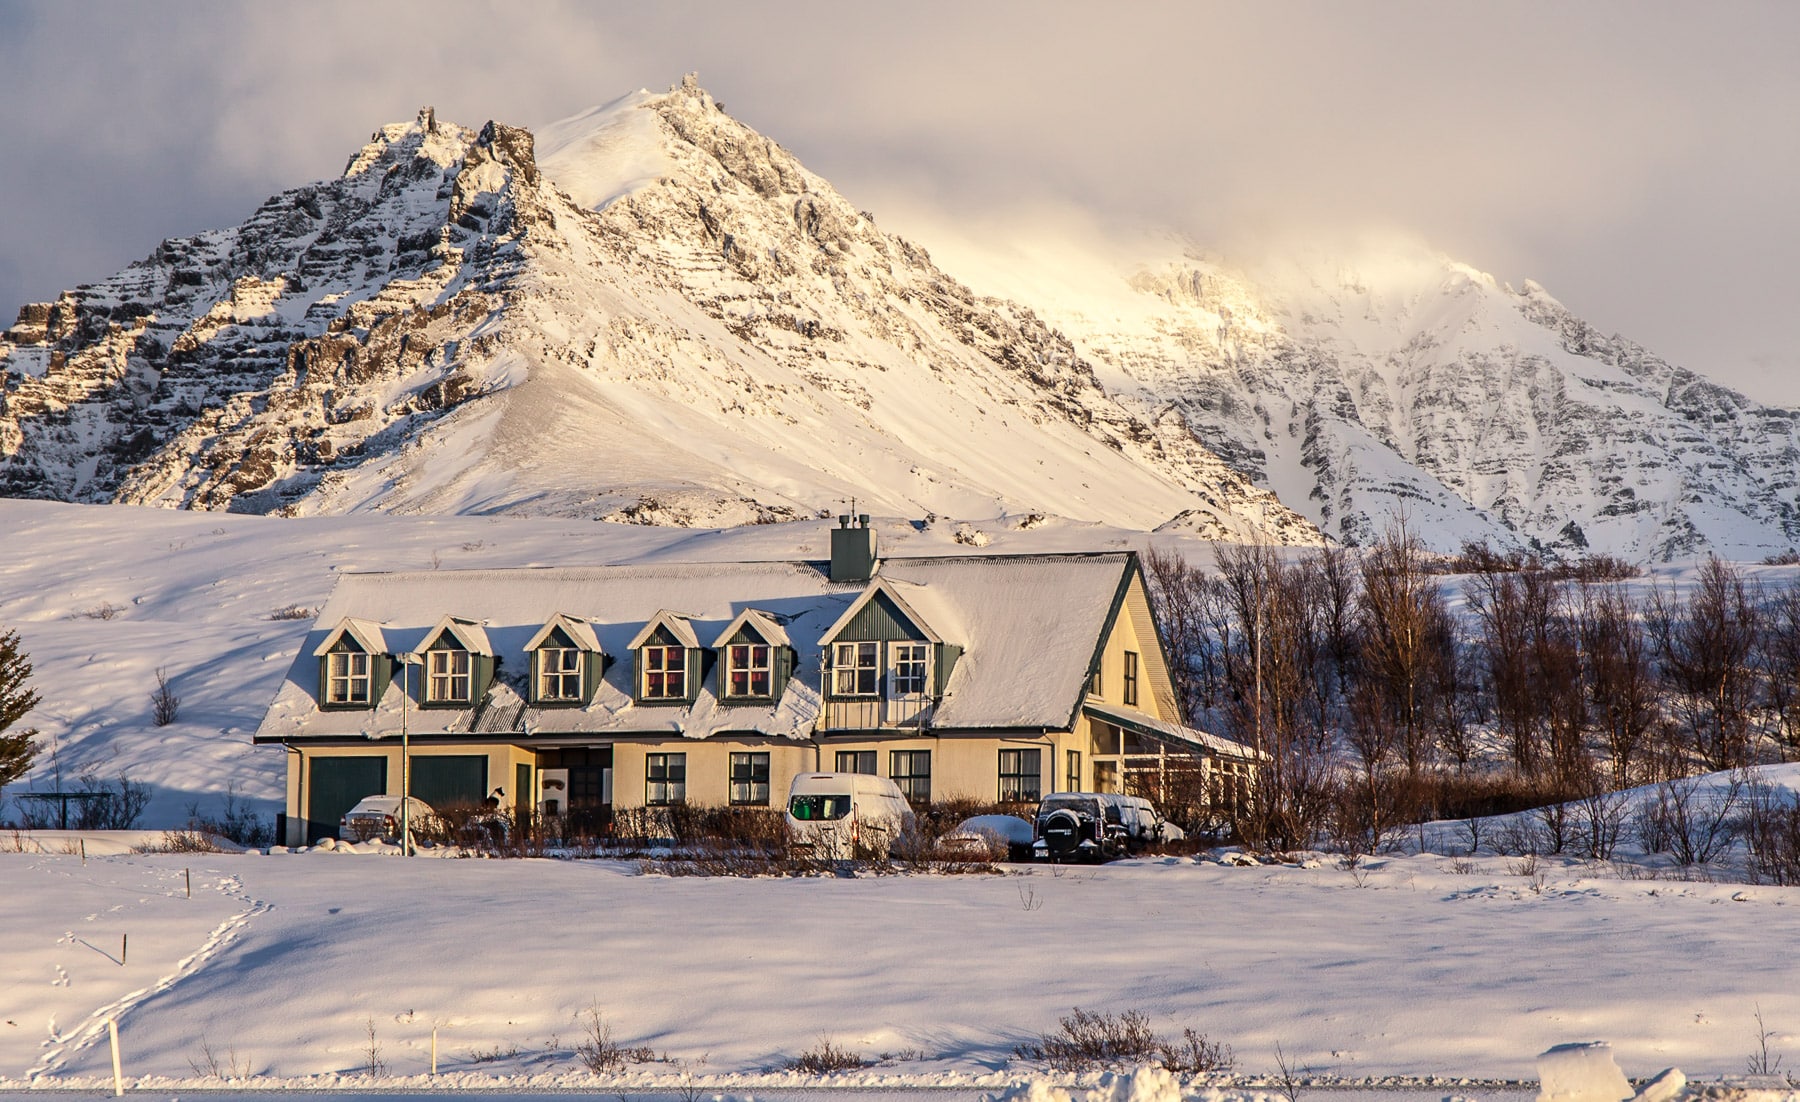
(1090, 1040)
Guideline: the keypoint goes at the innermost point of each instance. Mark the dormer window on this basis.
(750, 669)
(559, 673)
(565, 662)
(458, 664)
(347, 677)
(353, 665)
(665, 673)
(910, 666)
(447, 677)
(856, 669)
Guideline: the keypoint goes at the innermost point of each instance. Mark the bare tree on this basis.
(1781, 663)
(1707, 646)
(1404, 628)
(1621, 679)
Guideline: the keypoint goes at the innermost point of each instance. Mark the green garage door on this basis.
(335, 785)
(450, 780)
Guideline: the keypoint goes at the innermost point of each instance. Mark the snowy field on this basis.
(282, 965)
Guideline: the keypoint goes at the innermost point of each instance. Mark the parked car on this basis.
(1097, 826)
(837, 815)
(989, 837)
(378, 817)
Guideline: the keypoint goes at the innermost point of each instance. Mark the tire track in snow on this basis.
(94, 1027)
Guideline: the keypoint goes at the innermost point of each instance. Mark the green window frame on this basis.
(1131, 677)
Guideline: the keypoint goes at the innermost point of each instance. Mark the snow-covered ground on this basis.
(283, 964)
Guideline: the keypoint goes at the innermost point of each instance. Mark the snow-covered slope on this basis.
(691, 329)
(1403, 382)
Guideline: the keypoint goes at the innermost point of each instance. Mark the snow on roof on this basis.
(758, 621)
(365, 633)
(899, 593)
(579, 632)
(1146, 724)
(1028, 626)
(469, 633)
(677, 625)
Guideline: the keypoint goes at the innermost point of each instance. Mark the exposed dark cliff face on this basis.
(445, 328)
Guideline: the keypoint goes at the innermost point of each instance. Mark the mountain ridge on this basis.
(651, 313)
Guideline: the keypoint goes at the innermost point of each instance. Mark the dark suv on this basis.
(1097, 826)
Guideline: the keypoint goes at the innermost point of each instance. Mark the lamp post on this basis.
(407, 660)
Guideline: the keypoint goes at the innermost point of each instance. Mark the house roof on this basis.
(675, 622)
(902, 594)
(1149, 726)
(469, 633)
(758, 621)
(1029, 625)
(364, 633)
(578, 631)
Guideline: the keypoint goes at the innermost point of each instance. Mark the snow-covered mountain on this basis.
(1405, 383)
(651, 313)
(663, 319)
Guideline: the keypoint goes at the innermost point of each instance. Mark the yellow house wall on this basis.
(501, 762)
(708, 768)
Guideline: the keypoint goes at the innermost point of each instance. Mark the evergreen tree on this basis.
(16, 747)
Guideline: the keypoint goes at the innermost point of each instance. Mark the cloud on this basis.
(1636, 158)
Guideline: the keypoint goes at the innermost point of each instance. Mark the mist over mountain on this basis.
(651, 313)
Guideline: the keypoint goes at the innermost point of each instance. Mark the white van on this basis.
(837, 815)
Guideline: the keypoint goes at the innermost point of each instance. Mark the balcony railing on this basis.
(870, 713)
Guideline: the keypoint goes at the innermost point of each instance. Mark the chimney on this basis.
(852, 550)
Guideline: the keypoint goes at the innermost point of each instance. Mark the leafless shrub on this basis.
(1692, 828)
(236, 820)
(178, 841)
(1600, 819)
(1524, 866)
(1789, 557)
(214, 1065)
(826, 1058)
(1288, 1077)
(293, 612)
(165, 706)
(1761, 1062)
(495, 1054)
(1771, 826)
(118, 804)
(597, 1050)
(105, 610)
(1096, 1040)
(1195, 1054)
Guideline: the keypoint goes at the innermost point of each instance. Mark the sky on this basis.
(1637, 159)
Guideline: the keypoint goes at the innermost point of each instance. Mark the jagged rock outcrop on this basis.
(1476, 411)
(649, 313)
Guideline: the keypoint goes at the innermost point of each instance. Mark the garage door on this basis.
(335, 784)
(450, 780)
